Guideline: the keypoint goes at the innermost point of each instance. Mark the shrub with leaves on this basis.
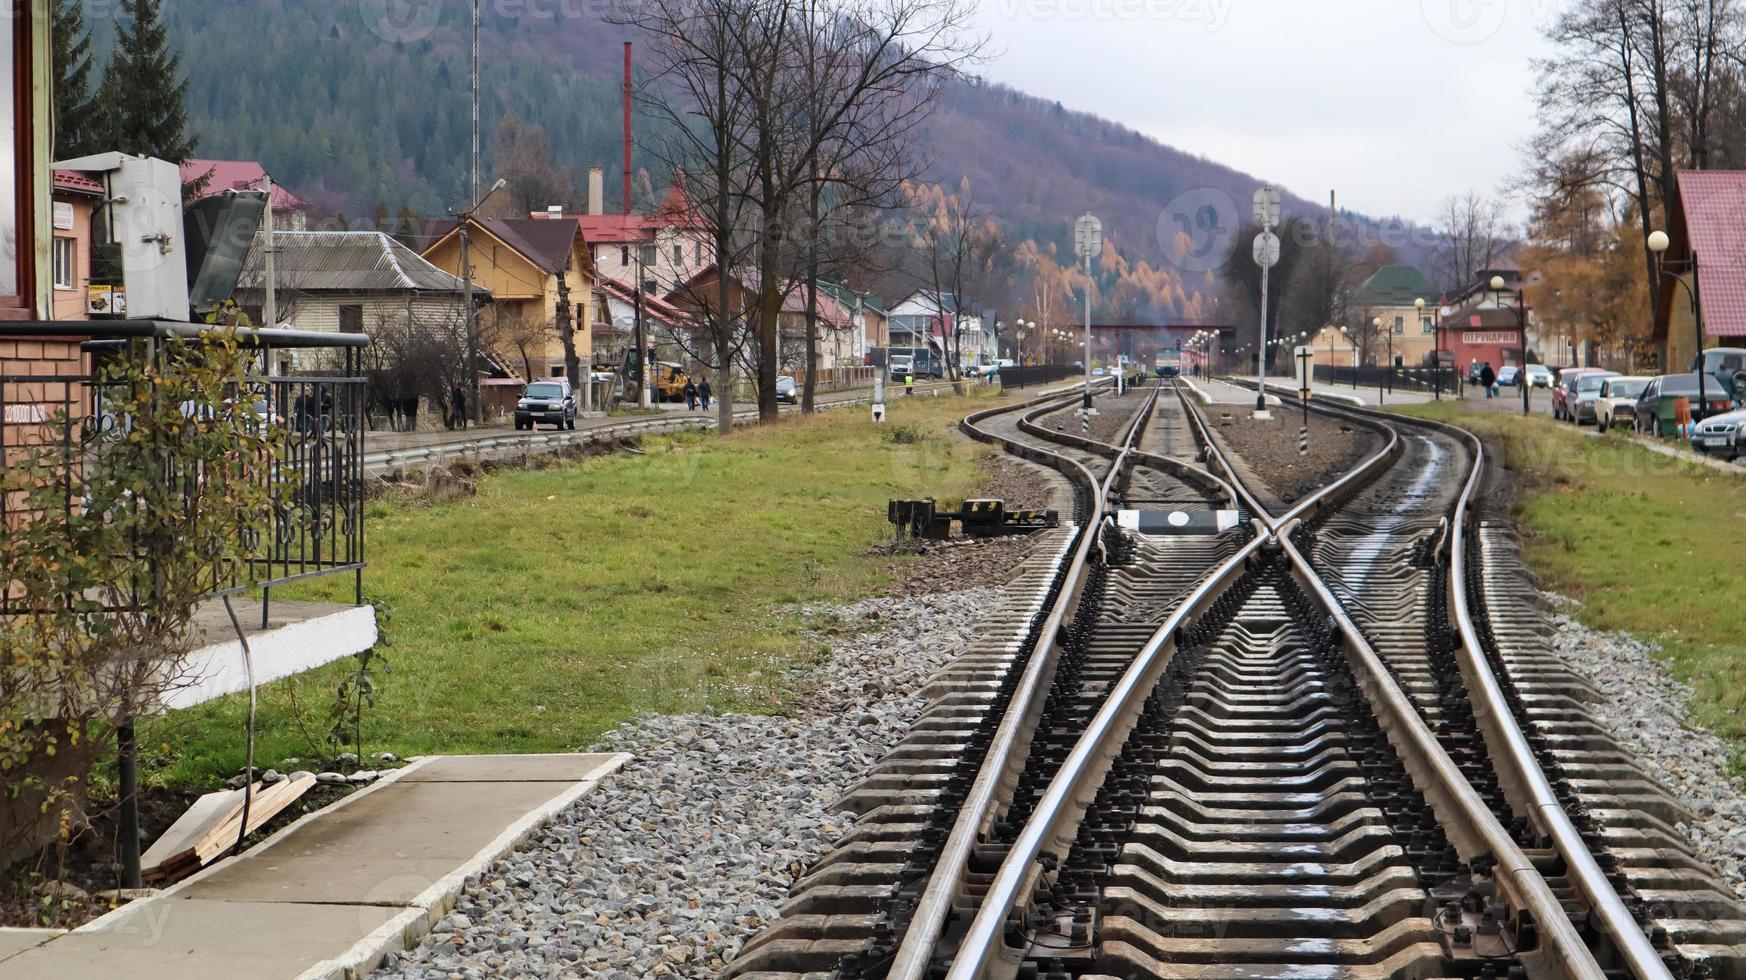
(358, 688)
(150, 490)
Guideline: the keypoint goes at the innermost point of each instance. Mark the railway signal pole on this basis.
(1088, 243)
(1266, 254)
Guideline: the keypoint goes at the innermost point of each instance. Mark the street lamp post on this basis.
(1497, 286)
(1436, 349)
(1658, 243)
(1376, 324)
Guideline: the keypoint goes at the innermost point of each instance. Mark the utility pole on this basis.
(642, 376)
(473, 179)
(472, 366)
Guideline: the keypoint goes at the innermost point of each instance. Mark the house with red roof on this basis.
(841, 340)
(291, 212)
(658, 250)
(74, 200)
(1704, 287)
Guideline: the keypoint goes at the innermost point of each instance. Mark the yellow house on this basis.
(541, 279)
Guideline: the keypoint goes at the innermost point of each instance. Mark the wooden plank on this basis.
(206, 813)
(265, 807)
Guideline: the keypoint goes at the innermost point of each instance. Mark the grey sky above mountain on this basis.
(1393, 103)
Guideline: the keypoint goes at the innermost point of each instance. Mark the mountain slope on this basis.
(359, 111)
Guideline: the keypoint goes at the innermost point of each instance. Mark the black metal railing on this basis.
(313, 423)
(1037, 374)
(1389, 379)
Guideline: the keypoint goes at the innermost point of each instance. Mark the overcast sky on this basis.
(1393, 103)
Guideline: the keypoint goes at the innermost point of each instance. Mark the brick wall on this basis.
(34, 391)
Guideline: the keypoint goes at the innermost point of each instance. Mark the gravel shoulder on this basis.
(1269, 449)
(1647, 710)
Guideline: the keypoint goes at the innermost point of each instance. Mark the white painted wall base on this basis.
(217, 670)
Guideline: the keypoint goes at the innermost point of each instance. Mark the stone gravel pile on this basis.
(673, 863)
(1647, 711)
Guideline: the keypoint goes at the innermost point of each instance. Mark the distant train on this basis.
(1168, 363)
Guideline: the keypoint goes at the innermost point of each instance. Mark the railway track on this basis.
(1327, 742)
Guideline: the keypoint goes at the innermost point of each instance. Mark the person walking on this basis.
(908, 385)
(703, 392)
(690, 395)
(458, 405)
(1488, 380)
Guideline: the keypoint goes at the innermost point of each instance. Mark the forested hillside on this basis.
(362, 113)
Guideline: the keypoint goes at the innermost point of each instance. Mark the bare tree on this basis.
(1473, 236)
(956, 242)
(695, 90)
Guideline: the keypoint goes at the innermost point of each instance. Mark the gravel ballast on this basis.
(1647, 711)
(677, 860)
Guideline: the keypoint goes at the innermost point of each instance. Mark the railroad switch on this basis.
(979, 518)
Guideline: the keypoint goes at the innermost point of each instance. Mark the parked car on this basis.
(550, 401)
(1618, 401)
(1721, 435)
(1506, 375)
(1564, 391)
(1728, 366)
(787, 390)
(1585, 406)
(1655, 409)
(1539, 376)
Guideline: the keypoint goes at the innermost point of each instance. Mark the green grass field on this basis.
(1650, 545)
(557, 603)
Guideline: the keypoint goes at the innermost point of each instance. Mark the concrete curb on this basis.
(1328, 396)
(426, 910)
(1205, 399)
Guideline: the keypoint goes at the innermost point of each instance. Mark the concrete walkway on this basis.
(329, 895)
(1361, 397)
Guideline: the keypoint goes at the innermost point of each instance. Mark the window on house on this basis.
(1400, 324)
(650, 255)
(678, 255)
(624, 255)
(351, 318)
(555, 371)
(1427, 325)
(697, 253)
(650, 287)
(63, 263)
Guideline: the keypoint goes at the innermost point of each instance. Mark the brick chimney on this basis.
(596, 190)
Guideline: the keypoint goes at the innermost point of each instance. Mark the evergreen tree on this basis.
(76, 122)
(142, 89)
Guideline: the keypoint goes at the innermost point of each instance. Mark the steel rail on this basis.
(1520, 768)
(1206, 480)
(1523, 779)
(1010, 744)
(1466, 818)
(1469, 823)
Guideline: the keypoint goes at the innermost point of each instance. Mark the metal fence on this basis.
(1390, 378)
(1026, 376)
(56, 411)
